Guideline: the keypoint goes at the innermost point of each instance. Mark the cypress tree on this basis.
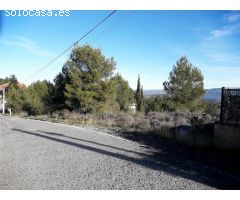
(142, 100)
(139, 96)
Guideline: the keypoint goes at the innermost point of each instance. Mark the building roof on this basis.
(6, 85)
(3, 86)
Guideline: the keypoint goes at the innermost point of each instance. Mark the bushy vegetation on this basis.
(159, 104)
(86, 91)
(11, 79)
(212, 109)
(16, 98)
(124, 94)
(159, 123)
(38, 98)
(185, 87)
(164, 104)
(86, 85)
(84, 82)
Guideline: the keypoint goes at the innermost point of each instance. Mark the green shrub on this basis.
(213, 109)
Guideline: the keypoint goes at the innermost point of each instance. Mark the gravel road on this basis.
(44, 155)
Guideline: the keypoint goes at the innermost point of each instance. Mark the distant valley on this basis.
(213, 94)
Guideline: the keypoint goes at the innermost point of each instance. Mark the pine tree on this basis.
(15, 98)
(185, 86)
(84, 84)
(125, 95)
(39, 98)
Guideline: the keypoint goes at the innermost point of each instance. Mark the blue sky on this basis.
(147, 43)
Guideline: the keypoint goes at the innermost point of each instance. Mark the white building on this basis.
(132, 108)
(3, 88)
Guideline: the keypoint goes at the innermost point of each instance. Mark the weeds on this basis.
(153, 121)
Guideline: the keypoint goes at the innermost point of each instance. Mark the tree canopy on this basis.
(87, 84)
(84, 83)
(185, 86)
(35, 99)
(12, 79)
(38, 97)
(124, 94)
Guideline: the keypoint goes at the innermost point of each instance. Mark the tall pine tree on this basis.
(185, 86)
(84, 84)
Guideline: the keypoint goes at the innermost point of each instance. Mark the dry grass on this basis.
(142, 124)
(153, 121)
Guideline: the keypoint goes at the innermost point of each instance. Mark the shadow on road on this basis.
(170, 158)
(91, 142)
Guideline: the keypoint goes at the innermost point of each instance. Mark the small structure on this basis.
(132, 107)
(230, 106)
(3, 88)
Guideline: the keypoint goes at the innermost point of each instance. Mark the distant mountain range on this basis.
(213, 94)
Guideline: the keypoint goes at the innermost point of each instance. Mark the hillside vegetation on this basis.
(87, 91)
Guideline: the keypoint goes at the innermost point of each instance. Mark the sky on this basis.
(147, 43)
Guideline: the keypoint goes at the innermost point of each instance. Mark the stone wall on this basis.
(214, 135)
(201, 136)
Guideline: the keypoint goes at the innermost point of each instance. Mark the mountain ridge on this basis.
(212, 94)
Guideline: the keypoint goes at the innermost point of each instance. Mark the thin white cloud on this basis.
(215, 45)
(233, 17)
(28, 45)
(224, 31)
(221, 33)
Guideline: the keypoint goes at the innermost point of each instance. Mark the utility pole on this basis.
(3, 107)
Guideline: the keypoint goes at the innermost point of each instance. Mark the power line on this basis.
(114, 25)
(76, 42)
